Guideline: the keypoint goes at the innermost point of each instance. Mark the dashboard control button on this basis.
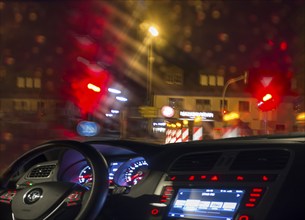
(155, 211)
(244, 217)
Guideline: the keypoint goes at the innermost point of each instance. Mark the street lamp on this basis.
(121, 98)
(229, 82)
(153, 32)
(114, 91)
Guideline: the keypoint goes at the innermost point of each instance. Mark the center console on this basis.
(219, 194)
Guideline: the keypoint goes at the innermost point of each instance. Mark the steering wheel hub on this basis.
(33, 196)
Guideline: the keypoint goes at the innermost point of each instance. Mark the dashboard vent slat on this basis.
(41, 171)
(261, 160)
(198, 162)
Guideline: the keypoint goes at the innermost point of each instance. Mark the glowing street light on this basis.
(114, 111)
(153, 31)
(115, 91)
(121, 98)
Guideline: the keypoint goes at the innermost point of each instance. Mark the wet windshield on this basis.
(162, 71)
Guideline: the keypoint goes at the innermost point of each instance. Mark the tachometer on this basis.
(85, 175)
(131, 172)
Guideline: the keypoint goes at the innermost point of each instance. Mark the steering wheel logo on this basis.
(33, 196)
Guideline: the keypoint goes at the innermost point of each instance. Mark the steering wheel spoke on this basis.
(6, 196)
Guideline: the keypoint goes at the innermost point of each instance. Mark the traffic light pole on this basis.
(229, 82)
(266, 122)
(150, 60)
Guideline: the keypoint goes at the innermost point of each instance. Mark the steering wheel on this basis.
(43, 200)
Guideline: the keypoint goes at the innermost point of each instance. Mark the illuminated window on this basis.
(203, 80)
(37, 83)
(20, 82)
(220, 81)
(244, 106)
(28, 82)
(212, 80)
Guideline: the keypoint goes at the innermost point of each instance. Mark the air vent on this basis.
(41, 171)
(195, 162)
(261, 160)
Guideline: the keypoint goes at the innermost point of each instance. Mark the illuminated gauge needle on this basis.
(139, 174)
(87, 176)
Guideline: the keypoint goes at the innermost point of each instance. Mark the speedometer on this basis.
(131, 172)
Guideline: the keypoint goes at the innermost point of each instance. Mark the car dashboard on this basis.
(236, 179)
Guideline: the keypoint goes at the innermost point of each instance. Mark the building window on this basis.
(37, 83)
(25, 106)
(203, 105)
(211, 80)
(220, 81)
(176, 103)
(20, 82)
(203, 80)
(244, 106)
(28, 82)
(174, 77)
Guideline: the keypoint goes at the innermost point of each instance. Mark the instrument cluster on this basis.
(121, 173)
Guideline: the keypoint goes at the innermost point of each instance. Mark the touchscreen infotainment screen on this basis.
(207, 204)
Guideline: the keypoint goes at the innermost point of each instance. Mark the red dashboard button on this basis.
(244, 217)
(250, 205)
(214, 178)
(252, 200)
(255, 195)
(154, 211)
(240, 178)
(257, 190)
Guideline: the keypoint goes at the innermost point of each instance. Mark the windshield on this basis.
(161, 71)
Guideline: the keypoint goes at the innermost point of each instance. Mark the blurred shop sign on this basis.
(87, 128)
(203, 115)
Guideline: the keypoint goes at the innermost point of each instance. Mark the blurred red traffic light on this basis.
(267, 97)
(268, 102)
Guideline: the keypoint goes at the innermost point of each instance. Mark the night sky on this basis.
(216, 36)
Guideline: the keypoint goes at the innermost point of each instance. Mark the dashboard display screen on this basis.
(207, 204)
